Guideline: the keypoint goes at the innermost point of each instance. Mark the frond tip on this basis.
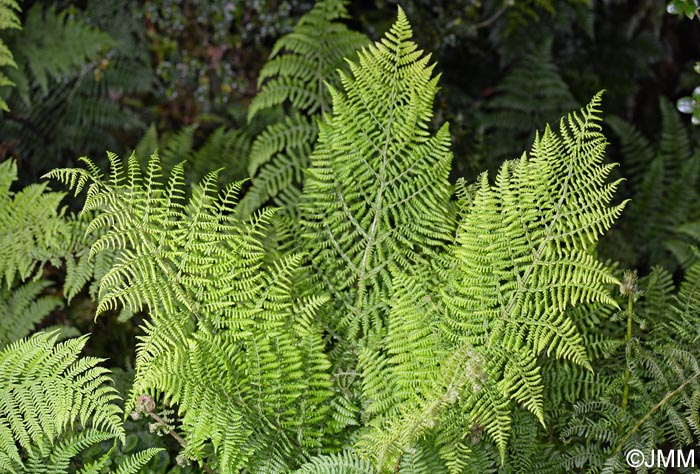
(377, 193)
(525, 256)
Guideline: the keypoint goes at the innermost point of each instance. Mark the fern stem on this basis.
(377, 207)
(653, 410)
(397, 466)
(176, 436)
(628, 338)
(493, 17)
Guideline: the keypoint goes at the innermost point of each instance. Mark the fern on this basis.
(522, 258)
(301, 66)
(533, 92)
(131, 464)
(659, 225)
(539, 239)
(72, 44)
(318, 44)
(8, 20)
(342, 463)
(663, 363)
(33, 229)
(72, 76)
(374, 324)
(22, 308)
(214, 307)
(222, 149)
(53, 405)
(377, 194)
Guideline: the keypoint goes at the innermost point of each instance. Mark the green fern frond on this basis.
(72, 44)
(9, 19)
(53, 404)
(377, 194)
(301, 67)
(71, 77)
(302, 61)
(22, 308)
(33, 231)
(228, 343)
(8, 14)
(223, 149)
(664, 180)
(341, 463)
(134, 462)
(663, 364)
(131, 464)
(227, 149)
(637, 150)
(415, 382)
(177, 147)
(535, 204)
(524, 257)
(284, 135)
(533, 93)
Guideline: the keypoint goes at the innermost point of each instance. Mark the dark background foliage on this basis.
(177, 63)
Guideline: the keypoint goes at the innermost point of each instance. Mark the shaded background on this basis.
(173, 64)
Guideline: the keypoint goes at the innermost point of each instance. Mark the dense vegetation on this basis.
(348, 237)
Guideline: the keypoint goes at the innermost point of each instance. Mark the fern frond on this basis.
(524, 257)
(377, 193)
(341, 463)
(73, 42)
(294, 130)
(302, 61)
(73, 72)
(228, 343)
(637, 150)
(8, 14)
(22, 308)
(131, 464)
(301, 67)
(664, 183)
(533, 93)
(9, 19)
(52, 403)
(33, 231)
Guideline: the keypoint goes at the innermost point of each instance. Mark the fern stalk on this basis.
(653, 410)
(629, 288)
(158, 419)
(628, 338)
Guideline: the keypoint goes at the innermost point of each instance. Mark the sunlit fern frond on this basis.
(377, 194)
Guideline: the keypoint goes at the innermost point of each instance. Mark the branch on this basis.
(653, 410)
